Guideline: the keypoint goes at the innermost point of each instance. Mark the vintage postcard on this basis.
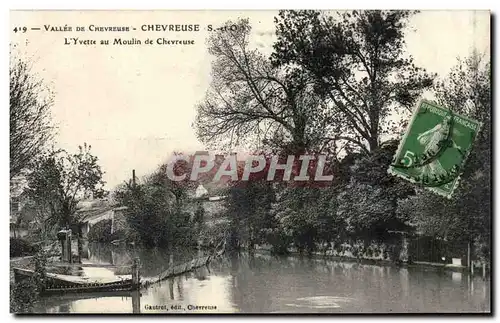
(273, 162)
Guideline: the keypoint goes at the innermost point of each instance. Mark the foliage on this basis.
(212, 235)
(360, 204)
(296, 220)
(22, 297)
(20, 247)
(305, 217)
(24, 294)
(59, 180)
(40, 275)
(30, 118)
(368, 202)
(57, 183)
(37, 220)
(101, 232)
(251, 102)
(155, 212)
(179, 188)
(359, 66)
(199, 215)
(248, 208)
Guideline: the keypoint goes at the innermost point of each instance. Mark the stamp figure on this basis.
(434, 148)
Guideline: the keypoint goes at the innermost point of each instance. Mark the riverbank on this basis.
(381, 262)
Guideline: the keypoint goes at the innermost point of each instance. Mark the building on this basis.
(94, 211)
(200, 191)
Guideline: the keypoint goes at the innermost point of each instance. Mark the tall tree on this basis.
(30, 119)
(250, 100)
(368, 201)
(360, 66)
(248, 208)
(59, 180)
(155, 212)
(467, 90)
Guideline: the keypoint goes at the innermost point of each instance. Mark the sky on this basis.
(135, 105)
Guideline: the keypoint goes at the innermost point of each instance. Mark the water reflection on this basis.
(267, 284)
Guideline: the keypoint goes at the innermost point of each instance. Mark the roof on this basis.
(88, 215)
(216, 198)
(92, 210)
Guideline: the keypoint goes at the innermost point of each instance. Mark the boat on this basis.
(57, 283)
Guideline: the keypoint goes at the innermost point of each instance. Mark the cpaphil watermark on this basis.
(304, 168)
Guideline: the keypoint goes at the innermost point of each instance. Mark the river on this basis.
(268, 284)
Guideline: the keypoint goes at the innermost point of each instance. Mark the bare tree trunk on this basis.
(80, 244)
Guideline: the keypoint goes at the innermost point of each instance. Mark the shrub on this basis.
(101, 232)
(20, 247)
(25, 293)
(23, 296)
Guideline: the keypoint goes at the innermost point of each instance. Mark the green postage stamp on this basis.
(434, 148)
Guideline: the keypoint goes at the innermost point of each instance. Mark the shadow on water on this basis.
(267, 284)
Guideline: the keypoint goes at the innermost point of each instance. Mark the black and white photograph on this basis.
(214, 162)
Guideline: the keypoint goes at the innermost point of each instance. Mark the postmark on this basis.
(435, 148)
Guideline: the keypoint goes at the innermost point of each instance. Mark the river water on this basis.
(268, 284)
